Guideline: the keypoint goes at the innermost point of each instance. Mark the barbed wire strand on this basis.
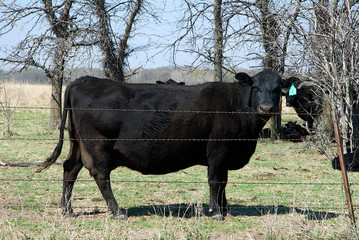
(178, 182)
(163, 110)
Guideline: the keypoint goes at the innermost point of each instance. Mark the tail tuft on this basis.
(52, 159)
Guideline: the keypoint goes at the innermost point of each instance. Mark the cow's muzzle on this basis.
(265, 110)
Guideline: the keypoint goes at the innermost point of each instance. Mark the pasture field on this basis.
(287, 191)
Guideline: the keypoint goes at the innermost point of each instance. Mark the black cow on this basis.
(115, 124)
(305, 100)
(170, 81)
(351, 161)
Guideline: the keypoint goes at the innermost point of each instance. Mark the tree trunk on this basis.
(55, 104)
(218, 40)
(115, 57)
(270, 34)
(57, 79)
(110, 67)
(123, 51)
(60, 29)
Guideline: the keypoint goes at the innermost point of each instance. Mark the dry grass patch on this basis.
(24, 94)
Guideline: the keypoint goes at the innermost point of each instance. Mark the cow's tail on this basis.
(57, 151)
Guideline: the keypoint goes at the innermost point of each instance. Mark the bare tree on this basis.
(69, 30)
(202, 34)
(115, 53)
(47, 50)
(330, 37)
(250, 30)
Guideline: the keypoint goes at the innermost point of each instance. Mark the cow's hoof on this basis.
(218, 217)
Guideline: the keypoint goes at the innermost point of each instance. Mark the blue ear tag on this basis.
(292, 90)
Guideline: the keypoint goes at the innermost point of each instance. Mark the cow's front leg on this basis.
(104, 184)
(217, 180)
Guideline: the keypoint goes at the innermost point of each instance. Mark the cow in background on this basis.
(351, 161)
(304, 98)
(171, 82)
(161, 128)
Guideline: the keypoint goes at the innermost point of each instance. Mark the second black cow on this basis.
(305, 99)
(161, 128)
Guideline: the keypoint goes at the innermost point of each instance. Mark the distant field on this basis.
(287, 191)
(26, 94)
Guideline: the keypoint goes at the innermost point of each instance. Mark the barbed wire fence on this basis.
(43, 138)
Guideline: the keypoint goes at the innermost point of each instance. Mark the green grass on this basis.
(286, 191)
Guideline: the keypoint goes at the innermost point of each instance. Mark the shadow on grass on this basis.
(192, 210)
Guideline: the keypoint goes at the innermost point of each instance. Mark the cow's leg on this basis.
(217, 180)
(97, 159)
(72, 167)
(309, 123)
(104, 184)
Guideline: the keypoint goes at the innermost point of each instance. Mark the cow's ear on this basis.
(244, 78)
(287, 83)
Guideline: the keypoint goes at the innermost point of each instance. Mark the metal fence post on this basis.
(339, 143)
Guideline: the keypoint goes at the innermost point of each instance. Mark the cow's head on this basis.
(290, 87)
(265, 90)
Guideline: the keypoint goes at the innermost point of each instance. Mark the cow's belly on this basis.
(239, 156)
(160, 166)
(238, 163)
(150, 158)
(153, 159)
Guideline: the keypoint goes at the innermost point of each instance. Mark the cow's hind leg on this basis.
(217, 179)
(72, 167)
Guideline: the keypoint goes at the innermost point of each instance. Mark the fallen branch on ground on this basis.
(4, 162)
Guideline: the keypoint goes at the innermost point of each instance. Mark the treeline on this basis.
(36, 76)
(32, 75)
